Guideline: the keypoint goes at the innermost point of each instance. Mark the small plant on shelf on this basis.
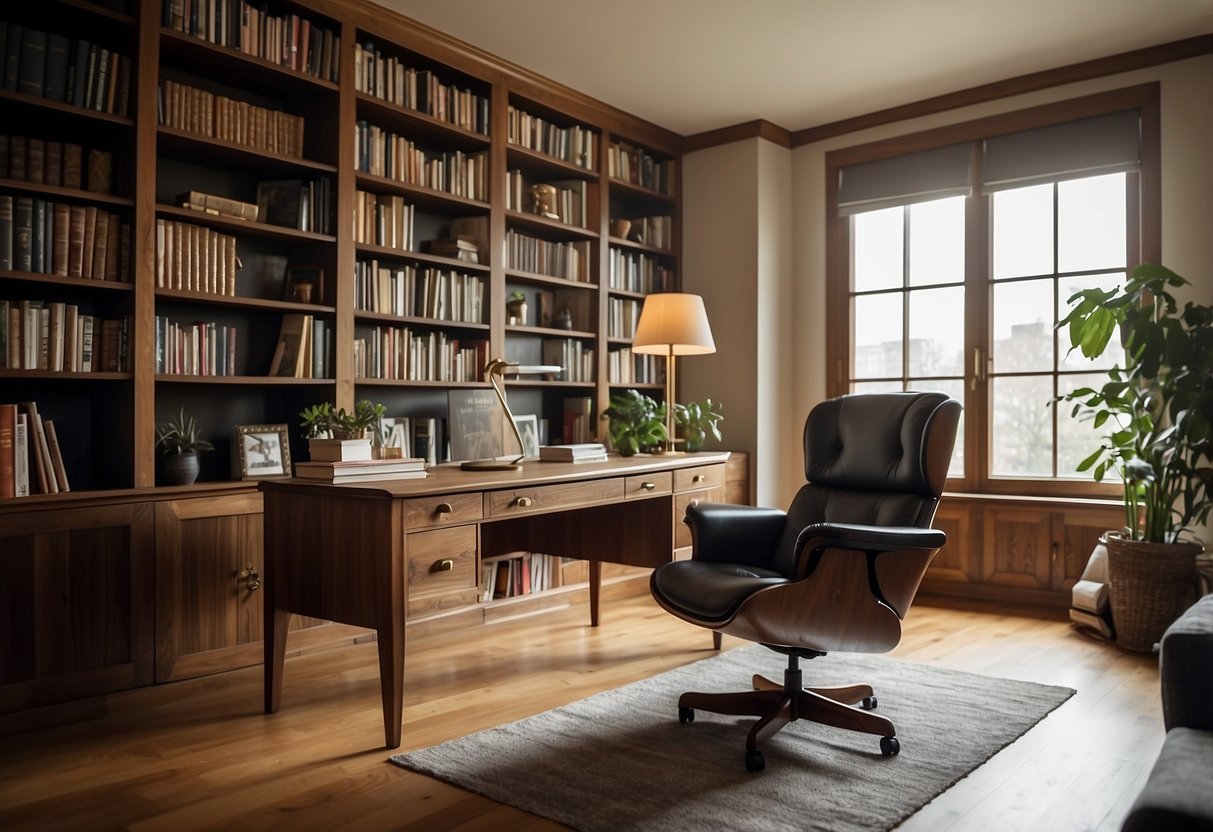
(177, 439)
(324, 420)
(636, 423)
(698, 420)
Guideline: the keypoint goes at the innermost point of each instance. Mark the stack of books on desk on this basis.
(581, 452)
(363, 470)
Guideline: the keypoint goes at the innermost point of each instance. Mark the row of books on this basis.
(570, 261)
(509, 577)
(45, 237)
(304, 348)
(657, 232)
(568, 204)
(56, 336)
(386, 77)
(398, 289)
(286, 40)
(400, 353)
(578, 421)
(364, 470)
(199, 349)
(31, 461)
(383, 153)
(29, 159)
(622, 317)
(383, 220)
(306, 205)
(626, 367)
(220, 206)
(636, 165)
(73, 72)
(572, 354)
(204, 113)
(632, 271)
(576, 144)
(195, 258)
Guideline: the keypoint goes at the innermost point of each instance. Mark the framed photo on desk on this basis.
(262, 451)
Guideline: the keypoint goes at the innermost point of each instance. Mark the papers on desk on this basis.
(366, 470)
(581, 452)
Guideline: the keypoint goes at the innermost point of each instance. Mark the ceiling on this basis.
(696, 65)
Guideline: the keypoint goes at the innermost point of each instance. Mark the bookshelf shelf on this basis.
(229, 65)
(100, 12)
(260, 381)
(543, 165)
(394, 382)
(243, 302)
(59, 375)
(85, 284)
(73, 194)
(419, 257)
(60, 109)
(550, 332)
(618, 242)
(543, 279)
(431, 198)
(623, 293)
(241, 227)
(420, 125)
(619, 186)
(415, 320)
(195, 148)
(549, 226)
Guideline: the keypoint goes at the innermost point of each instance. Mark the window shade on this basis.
(1087, 147)
(901, 180)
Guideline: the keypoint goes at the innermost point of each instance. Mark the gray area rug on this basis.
(620, 760)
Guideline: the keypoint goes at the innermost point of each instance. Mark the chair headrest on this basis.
(895, 442)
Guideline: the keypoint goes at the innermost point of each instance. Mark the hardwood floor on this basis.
(201, 755)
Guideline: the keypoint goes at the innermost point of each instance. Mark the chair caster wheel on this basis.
(754, 761)
(686, 715)
(868, 703)
(889, 746)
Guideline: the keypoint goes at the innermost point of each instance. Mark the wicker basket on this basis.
(1149, 585)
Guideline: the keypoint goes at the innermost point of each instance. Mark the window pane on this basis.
(1023, 231)
(937, 242)
(877, 387)
(878, 238)
(1114, 352)
(1091, 223)
(878, 331)
(1077, 438)
(1021, 444)
(1023, 326)
(937, 332)
(955, 389)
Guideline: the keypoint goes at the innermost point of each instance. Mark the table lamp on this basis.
(672, 324)
(494, 373)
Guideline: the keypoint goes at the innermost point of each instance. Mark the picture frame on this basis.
(478, 425)
(397, 433)
(262, 452)
(528, 428)
(303, 284)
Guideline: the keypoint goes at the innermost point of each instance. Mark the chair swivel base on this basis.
(776, 705)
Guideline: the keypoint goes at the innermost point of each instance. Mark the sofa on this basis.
(1179, 792)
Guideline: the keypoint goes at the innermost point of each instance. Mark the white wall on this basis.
(739, 229)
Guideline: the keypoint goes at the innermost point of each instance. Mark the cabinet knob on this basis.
(523, 502)
(444, 508)
(648, 486)
(251, 578)
(698, 478)
(444, 565)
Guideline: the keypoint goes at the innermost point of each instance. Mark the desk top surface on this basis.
(451, 479)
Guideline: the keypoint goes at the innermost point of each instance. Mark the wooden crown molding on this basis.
(759, 128)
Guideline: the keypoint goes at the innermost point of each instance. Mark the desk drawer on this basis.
(552, 497)
(704, 476)
(648, 485)
(441, 560)
(441, 511)
(682, 532)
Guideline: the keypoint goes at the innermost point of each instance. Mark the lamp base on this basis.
(490, 465)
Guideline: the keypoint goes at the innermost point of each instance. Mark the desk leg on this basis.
(391, 683)
(277, 624)
(595, 590)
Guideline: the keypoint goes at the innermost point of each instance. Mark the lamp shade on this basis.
(673, 323)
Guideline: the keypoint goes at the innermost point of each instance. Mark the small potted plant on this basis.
(329, 430)
(636, 423)
(698, 421)
(515, 309)
(177, 439)
(1156, 414)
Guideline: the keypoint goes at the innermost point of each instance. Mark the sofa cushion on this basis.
(1185, 664)
(1177, 796)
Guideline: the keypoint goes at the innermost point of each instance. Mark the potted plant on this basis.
(515, 308)
(636, 423)
(324, 421)
(177, 439)
(698, 420)
(1156, 411)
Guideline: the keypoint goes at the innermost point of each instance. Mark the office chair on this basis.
(837, 571)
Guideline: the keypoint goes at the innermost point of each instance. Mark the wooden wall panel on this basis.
(1017, 548)
(952, 562)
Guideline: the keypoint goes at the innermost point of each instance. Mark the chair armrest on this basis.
(819, 536)
(727, 533)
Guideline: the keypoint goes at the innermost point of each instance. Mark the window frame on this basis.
(1144, 243)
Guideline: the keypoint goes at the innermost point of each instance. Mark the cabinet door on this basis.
(1078, 532)
(1018, 547)
(951, 563)
(75, 604)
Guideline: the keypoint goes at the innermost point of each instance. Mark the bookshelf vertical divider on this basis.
(346, 252)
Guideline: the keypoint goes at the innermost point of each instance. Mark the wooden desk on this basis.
(345, 552)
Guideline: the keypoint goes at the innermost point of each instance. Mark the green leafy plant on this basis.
(324, 419)
(1156, 407)
(516, 297)
(698, 420)
(179, 435)
(636, 423)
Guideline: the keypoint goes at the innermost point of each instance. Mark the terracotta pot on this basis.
(1149, 586)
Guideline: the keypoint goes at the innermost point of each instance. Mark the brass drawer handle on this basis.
(522, 502)
(444, 565)
(699, 478)
(251, 578)
(648, 486)
(444, 508)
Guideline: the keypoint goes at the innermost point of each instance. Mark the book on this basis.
(40, 451)
(52, 441)
(356, 469)
(290, 354)
(55, 79)
(220, 205)
(8, 450)
(21, 456)
(369, 476)
(31, 72)
(577, 452)
(339, 450)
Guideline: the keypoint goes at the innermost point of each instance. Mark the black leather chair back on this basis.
(875, 460)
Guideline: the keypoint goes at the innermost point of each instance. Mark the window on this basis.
(950, 265)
